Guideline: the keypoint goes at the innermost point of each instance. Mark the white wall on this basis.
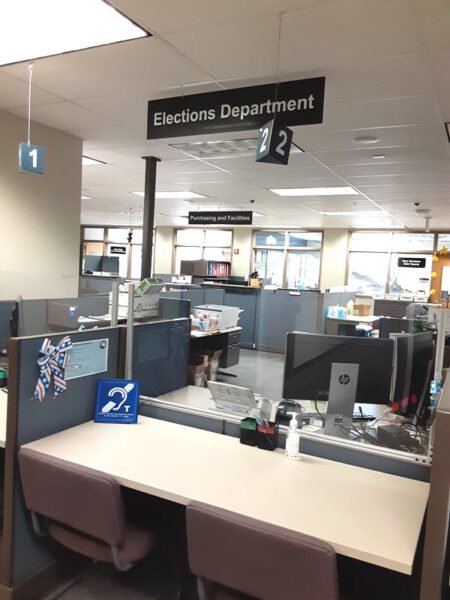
(242, 241)
(334, 258)
(163, 250)
(39, 214)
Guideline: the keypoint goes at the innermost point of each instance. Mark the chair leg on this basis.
(201, 589)
(120, 566)
(38, 528)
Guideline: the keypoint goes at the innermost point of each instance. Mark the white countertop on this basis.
(3, 416)
(356, 318)
(364, 514)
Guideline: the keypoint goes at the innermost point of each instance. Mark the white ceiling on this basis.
(387, 64)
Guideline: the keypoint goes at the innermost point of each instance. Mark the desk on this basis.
(227, 340)
(364, 514)
(3, 416)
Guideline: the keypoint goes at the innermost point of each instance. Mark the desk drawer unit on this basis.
(230, 356)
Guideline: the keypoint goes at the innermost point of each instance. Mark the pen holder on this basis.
(248, 431)
(267, 436)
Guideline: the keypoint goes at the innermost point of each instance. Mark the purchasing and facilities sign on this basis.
(297, 102)
(240, 217)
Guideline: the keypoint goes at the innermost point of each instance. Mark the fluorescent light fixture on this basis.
(223, 148)
(172, 195)
(350, 213)
(379, 156)
(86, 161)
(31, 30)
(86, 198)
(319, 191)
(366, 139)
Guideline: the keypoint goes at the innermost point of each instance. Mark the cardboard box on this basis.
(361, 310)
(197, 375)
(255, 283)
(213, 365)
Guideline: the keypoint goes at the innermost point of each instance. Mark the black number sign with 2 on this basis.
(274, 143)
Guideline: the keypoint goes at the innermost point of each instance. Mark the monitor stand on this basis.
(341, 399)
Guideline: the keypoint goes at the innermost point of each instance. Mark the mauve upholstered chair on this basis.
(239, 558)
(82, 509)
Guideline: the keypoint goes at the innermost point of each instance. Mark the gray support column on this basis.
(149, 215)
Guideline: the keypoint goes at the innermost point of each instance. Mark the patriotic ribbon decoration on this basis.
(52, 362)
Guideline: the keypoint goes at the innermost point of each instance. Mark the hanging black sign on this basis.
(222, 217)
(118, 249)
(412, 263)
(274, 143)
(295, 102)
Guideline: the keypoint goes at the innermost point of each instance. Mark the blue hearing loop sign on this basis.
(31, 158)
(117, 401)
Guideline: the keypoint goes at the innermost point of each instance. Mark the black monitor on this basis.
(309, 359)
(7, 329)
(161, 356)
(93, 262)
(390, 325)
(414, 360)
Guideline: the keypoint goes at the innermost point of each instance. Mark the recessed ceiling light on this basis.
(379, 156)
(86, 198)
(319, 191)
(348, 213)
(366, 139)
(86, 161)
(33, 30)
(172, 195)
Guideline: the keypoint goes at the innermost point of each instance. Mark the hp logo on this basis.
(344, 379)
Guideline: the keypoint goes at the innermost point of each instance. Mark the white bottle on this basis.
(293, 439)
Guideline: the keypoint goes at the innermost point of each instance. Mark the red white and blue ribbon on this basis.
(52, 362)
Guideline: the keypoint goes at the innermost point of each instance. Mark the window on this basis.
(398, 264)
(98, 241)
(368, 272)
(207, 244)
(303, 270)
(410, 274)
(288, 258)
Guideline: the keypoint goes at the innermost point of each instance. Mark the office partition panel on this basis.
(161, 355)
(24, 553)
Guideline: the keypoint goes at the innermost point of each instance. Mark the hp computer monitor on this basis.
(310, 358)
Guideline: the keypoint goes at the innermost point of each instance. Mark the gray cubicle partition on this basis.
(92, 284)
(161, 355)
(23, 554)
(270, 314)
(281, 311)
(174, 308)
(390, 308)
(214, 296)
(436, 556)
(247, 299)
(35, 316)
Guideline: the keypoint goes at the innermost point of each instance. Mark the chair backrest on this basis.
(83, 499)
(264, 561)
